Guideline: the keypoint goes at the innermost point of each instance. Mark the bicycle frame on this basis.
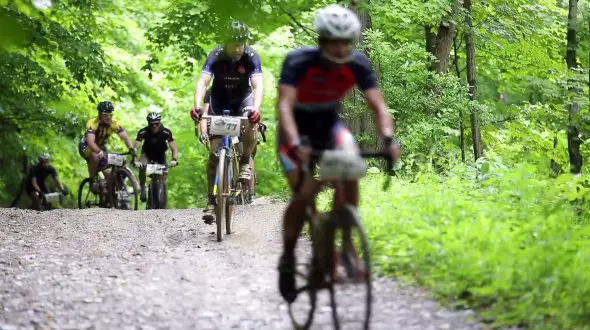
(223, 184)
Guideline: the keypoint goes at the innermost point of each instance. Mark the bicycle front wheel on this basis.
(124, 190)
(154, 198)
(221, 199)
(229, 188)
(86, 198)
(352, 255)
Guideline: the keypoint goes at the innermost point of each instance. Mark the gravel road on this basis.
(163, 269)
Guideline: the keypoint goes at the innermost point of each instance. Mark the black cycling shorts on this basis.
(238, 108)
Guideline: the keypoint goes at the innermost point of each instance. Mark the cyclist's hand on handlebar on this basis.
(254, 116)
(303, 153)
(392, 148)
(64, 191)
(100, 154)
(173, 163)
(196, 114)
(137, 164)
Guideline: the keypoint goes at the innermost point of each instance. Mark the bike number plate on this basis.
(229, 126)
(153, 169)
(52, 197)
(338, 165)
(117, 160)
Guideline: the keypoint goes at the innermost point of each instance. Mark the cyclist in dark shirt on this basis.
(237, 86)
(156, 138)
(312, 84)
(35, 186)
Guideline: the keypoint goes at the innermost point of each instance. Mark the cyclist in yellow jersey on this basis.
(98, 131)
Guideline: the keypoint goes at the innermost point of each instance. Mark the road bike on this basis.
(228, 189)
(118, 188)
(157, 190)
(332, 234)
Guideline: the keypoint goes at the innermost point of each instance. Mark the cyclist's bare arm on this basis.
(205, 112)
(383, 120)
(58, 183)
(91, 140)
(172, 145)
(123, 135)
(35, 185)
(258, 89)
(286, 105)
(137, 144)
(201, 88)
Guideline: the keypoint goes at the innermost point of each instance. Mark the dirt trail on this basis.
(109, 269)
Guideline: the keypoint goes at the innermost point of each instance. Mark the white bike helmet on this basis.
(337, 22)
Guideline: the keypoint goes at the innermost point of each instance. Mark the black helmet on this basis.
(238, 32)
(154, 117)
(105, 107)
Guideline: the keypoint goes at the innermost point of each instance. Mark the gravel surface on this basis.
(163, 269)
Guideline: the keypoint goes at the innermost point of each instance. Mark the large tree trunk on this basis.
(573, 134)
(440, 44)
(475, 120)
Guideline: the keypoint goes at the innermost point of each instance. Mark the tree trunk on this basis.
(461, 123)
(360, 122)
(440, 44)
(573, 134)
(474, 116)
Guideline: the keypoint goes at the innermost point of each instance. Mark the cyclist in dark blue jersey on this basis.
(237, 86)
(312, 85)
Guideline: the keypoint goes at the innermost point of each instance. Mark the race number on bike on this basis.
(154, 169)
(338, 165)
(229, 126)
(117, 160)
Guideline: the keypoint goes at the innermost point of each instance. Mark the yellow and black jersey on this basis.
(101, 131)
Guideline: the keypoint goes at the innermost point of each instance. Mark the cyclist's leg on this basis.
(35, 201)
(92, 164)
(248, 139)
(215, 142)
(344, 140)
(293, 220)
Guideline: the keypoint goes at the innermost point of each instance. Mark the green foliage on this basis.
(513, 244)
(500, 234)
(426, 105)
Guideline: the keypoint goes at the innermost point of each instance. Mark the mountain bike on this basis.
(228, 188)
(118, 188)
(331, 234)
(157, 189)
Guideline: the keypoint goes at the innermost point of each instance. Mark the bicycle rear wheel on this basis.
(221, 199)
(86, 198)
(352, 253)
